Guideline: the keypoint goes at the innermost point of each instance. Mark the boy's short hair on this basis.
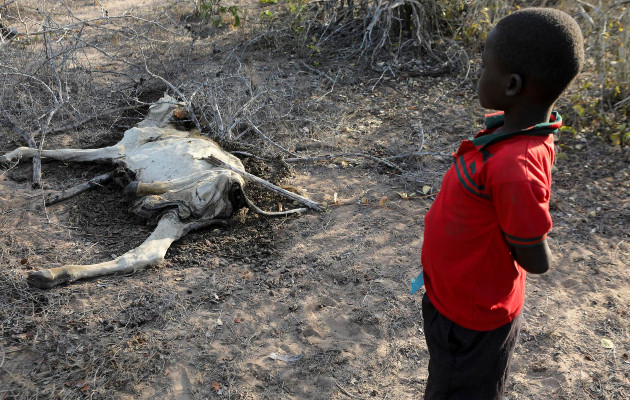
(541, 44)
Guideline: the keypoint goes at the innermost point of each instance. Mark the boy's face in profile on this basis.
(493, 79)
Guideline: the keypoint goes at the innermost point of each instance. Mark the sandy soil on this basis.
(315, 306)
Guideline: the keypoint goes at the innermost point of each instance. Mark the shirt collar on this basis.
(495, 120)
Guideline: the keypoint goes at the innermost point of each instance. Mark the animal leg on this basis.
(105, 153)
(150, 252)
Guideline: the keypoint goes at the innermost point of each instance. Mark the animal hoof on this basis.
(132, 188)
(42, 279)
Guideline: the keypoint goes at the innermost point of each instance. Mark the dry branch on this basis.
(37, 160)
(344, 391)
(56, 197)
(290, 195)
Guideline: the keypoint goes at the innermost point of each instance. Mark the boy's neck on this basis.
(520, 118)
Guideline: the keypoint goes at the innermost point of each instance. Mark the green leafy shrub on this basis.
(602, 103)
(213, 12)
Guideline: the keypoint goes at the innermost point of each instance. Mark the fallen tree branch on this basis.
(57, 196)
(290, 195)
(331, 156)
(246, 154)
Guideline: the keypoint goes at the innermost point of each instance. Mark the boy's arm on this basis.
(535, 260)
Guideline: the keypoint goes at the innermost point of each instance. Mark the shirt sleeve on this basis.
(523, 212)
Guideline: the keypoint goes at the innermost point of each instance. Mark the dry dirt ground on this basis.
(315, 306)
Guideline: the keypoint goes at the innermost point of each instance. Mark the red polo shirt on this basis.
(495, 195)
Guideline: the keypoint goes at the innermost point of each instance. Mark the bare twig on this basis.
(220, 118)
(240, 135)
(57, 95)
(59, 101)
(242, 109)
(246, 154)
(37, 160)
(344, 391)
(56, 197)
(290, 195)
(389, 68)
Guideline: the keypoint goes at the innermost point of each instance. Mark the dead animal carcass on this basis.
(174, 178)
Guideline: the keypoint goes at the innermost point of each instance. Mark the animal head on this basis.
(222, 197)
(161, 112)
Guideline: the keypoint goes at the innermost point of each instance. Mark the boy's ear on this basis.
(515, 85)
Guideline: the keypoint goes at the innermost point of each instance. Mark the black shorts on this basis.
(463, 363)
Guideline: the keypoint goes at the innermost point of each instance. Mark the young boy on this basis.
(488, 224)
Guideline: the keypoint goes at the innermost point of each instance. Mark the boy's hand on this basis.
(535, 260)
